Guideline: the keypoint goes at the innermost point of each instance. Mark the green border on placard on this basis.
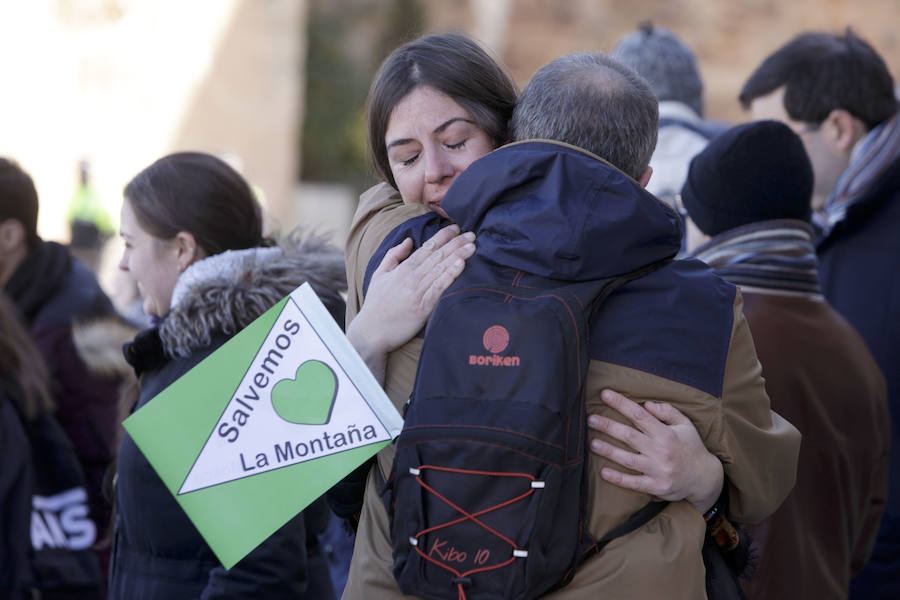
(172, 429)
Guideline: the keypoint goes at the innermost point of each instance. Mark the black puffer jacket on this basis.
(53, 291)
(158, 553)
(15, 503)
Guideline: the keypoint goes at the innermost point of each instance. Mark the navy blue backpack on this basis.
(487, 495)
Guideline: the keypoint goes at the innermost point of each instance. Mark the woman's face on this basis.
(151, 261)
(430, 140)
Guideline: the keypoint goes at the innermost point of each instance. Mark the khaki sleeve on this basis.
(380, 210)
(371, 574)
(758, 448)
(371, 568)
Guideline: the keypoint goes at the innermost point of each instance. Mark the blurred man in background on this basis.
(837, 94)
(51, 291)
(669, 66)
(89, 221)
(750, 190)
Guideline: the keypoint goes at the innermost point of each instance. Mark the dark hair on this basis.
(200, 194)
(23, 375)
(591, 101)
(822, 72)
(452, 64)
(18, 198)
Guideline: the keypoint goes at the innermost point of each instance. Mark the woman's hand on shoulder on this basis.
(665, 449)
(403, 292)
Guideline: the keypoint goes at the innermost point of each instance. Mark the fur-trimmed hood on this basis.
(224, 293)
(99, 344)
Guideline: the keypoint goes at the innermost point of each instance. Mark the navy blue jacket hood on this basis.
(560, 212)
(549, 211)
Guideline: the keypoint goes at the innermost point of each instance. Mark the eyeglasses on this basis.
(809, 127)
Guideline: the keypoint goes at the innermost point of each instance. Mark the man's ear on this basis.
(187, 250)
(12, 236)
(843, 130)
(694, 238)
(644, 179)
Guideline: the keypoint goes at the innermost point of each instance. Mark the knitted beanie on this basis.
(668, 65)
(752, 172)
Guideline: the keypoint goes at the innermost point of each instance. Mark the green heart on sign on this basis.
(309, 397)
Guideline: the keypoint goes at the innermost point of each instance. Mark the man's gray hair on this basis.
(591, 101)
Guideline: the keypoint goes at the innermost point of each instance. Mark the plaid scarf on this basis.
(872, 155)
(770, 257)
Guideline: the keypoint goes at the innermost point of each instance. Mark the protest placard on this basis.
(265, 425)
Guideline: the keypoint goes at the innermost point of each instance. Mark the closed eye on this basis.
(457, 146)
(409, 160)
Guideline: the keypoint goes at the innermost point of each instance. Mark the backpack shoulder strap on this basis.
(621, 280)
(636, 520)
(652, 508)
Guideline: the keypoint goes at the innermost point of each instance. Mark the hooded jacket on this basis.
(682, 135)
(54, 291)
(158, 553)
(676, 335)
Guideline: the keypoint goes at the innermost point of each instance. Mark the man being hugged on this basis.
(568, 203)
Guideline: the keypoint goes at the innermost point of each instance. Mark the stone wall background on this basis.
(729, 37)
(122, 82)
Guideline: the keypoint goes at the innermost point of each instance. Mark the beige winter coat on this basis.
(662, 559)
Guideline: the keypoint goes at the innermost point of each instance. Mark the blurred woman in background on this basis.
(194, 245)
(46, 535)
(23, 395)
